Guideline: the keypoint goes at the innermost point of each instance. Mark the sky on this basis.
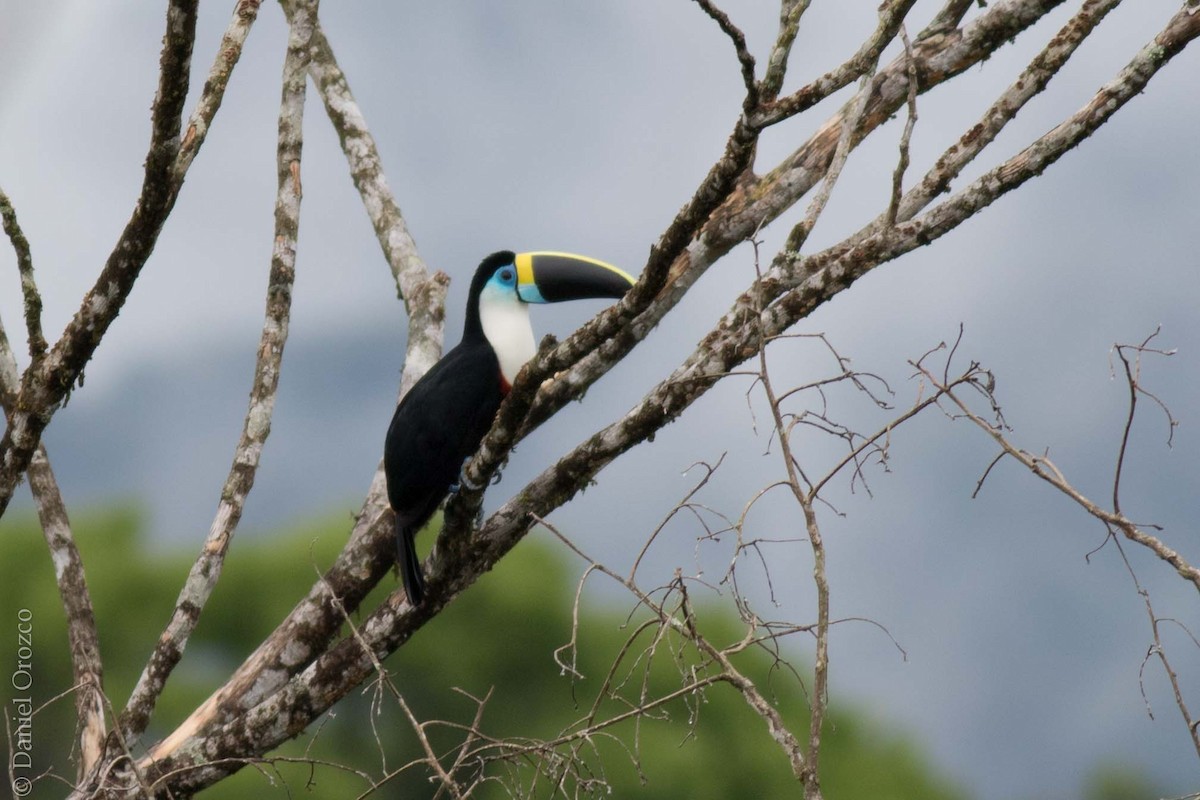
(584, 127)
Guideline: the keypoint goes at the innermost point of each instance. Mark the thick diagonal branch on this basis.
(938, 55)
(819, 278)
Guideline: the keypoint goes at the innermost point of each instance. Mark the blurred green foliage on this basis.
(497, 640)
(1117, 781)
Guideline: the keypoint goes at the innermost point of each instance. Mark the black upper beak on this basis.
(545, 277)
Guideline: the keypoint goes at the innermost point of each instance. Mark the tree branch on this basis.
(891, 17)
(366, 169)
(33, 300)
(745, 59)
(228, 53)
(45, 388)
(1043, 468)
(206, 570)
(368, 555)
(819, 699)
(790, 12)
(795, 289)
(1031, 82)
(758, 201)
(86, 665)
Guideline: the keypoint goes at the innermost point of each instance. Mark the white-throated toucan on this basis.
(443, 418)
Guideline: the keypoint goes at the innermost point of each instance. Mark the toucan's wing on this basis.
(440, 422)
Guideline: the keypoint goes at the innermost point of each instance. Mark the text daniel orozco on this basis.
(22, 707)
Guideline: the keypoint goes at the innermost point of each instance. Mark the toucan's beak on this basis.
(545, 277)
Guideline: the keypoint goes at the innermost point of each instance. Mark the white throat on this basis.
(506, 326)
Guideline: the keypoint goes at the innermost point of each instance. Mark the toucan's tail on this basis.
(410, 565)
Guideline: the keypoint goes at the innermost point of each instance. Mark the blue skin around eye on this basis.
(528, 292)
(497, 285)
(505, 276)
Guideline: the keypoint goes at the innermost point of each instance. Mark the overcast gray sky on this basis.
(583, 127)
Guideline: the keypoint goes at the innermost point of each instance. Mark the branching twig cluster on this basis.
(303, 668)
(1118, 526)
(667, 625)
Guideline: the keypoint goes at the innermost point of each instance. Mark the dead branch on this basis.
(939, 55)
(1031, 82)
(1045, 469)
(312, 624)
(86, 664)
(44, 389)
(229, 51)
(33, 299)
(206, 570)
(1115, 521)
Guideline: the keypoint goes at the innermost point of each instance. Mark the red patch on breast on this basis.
(505, 386)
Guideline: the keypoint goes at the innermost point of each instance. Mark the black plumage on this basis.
(438, 425)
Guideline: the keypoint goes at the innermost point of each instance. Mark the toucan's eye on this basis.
(507, 275)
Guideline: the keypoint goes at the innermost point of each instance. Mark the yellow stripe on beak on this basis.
(525, 269)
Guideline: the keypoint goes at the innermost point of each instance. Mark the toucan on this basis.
(440, 423)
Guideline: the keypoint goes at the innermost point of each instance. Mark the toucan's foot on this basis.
(463, 480)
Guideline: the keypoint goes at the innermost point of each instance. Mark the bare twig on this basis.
(819, 698)
(891, 17)
(33, 300)
(1115, 522)
(906, 137)
(790, 12)
(245, 12)
(384, 679)
(1159, 651)
(1133, 374)
(808, 771)
(1043, 468)
(745, 59)
(728, 673)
